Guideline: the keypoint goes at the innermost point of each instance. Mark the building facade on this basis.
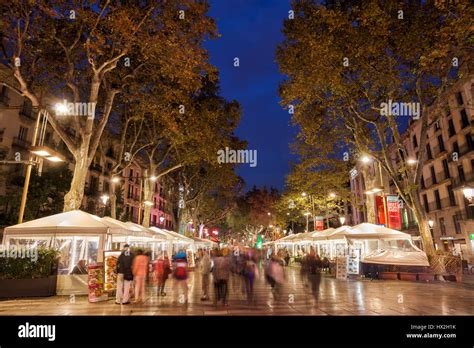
(17, 124)
(447, 169)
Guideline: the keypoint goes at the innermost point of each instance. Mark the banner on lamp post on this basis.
(393, 207)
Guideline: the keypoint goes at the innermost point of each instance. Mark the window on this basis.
(469, 141)
(442, 226)
(23, 133)
(438, 199)
(459, 98)
(130, 191)
(456, 148)
(446, 169)
(425, 203)
(428, 152)
(441, 143)
(433, 176)
(423, 186)
(464, 119)
(462, 177)
(4, 95)
(457, 225)
(451, 128)
(27, 107)
(436, 125)
(452, 198)
(106, 186)
(415, 142)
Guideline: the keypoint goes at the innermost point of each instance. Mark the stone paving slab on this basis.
(298, 297)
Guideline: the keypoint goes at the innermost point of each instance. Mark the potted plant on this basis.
(390, 272)
(29, 276)
(409, 276)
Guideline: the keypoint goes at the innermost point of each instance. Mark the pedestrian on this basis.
(221, 273)
(205, 268)
(80, 268)
(180, 275)
(140, 271)
(277, 275)
(250, 273)
(124, 276)
(162, 271)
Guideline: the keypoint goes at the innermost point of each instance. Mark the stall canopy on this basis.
(324, 233)
(171, 235)
(135, 230)
(397, 257)
(73, 222)
(367, 231)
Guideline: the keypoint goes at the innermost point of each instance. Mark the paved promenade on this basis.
(298, 297)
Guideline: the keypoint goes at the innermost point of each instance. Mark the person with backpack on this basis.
(162, 271)
(124, 276)
(180, 275)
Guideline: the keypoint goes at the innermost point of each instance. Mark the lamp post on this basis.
(307, 214)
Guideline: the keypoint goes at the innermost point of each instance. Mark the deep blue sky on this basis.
(251, 30)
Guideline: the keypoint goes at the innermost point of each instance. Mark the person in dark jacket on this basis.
(124, 276)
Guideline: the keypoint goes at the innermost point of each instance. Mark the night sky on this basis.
(251, 30)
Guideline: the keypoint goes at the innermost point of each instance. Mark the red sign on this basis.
(319, 224)
(393, 207)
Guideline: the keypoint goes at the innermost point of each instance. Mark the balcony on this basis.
(467, 179)
(24, 144)
(437, 151)
(445, 203)
(430, 182)
(463, 151)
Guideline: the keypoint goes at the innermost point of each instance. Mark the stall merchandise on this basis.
(110, 271)
(96, 283)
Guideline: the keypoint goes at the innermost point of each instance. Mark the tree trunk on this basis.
(423, 225)
(73, 199)
(113, 201)
(148, 190)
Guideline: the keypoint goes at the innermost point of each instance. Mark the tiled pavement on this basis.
(335, 297)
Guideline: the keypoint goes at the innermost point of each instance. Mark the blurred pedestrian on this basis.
(250, 273)
(124, 276)
(162, 271)
(221, 273)
(277, 275)
(180, 275)
(205, 268)
(140, 271)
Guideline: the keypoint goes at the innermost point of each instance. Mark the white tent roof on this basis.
(324, 233)
(204, 241)
(369, 231)
(135, 229)
(75, 222)
(397, 257)
(172, 235)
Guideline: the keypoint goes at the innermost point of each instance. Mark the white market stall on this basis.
(77, 235)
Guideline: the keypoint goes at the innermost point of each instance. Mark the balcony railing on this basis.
(440, 177)
(467, 179)
(25, 144)
(444, 203)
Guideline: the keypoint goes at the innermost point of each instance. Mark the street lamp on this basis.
(411, 161)
(365, 159)
(342, 219)
(469, 194)
(104, 199)
(332, 195)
